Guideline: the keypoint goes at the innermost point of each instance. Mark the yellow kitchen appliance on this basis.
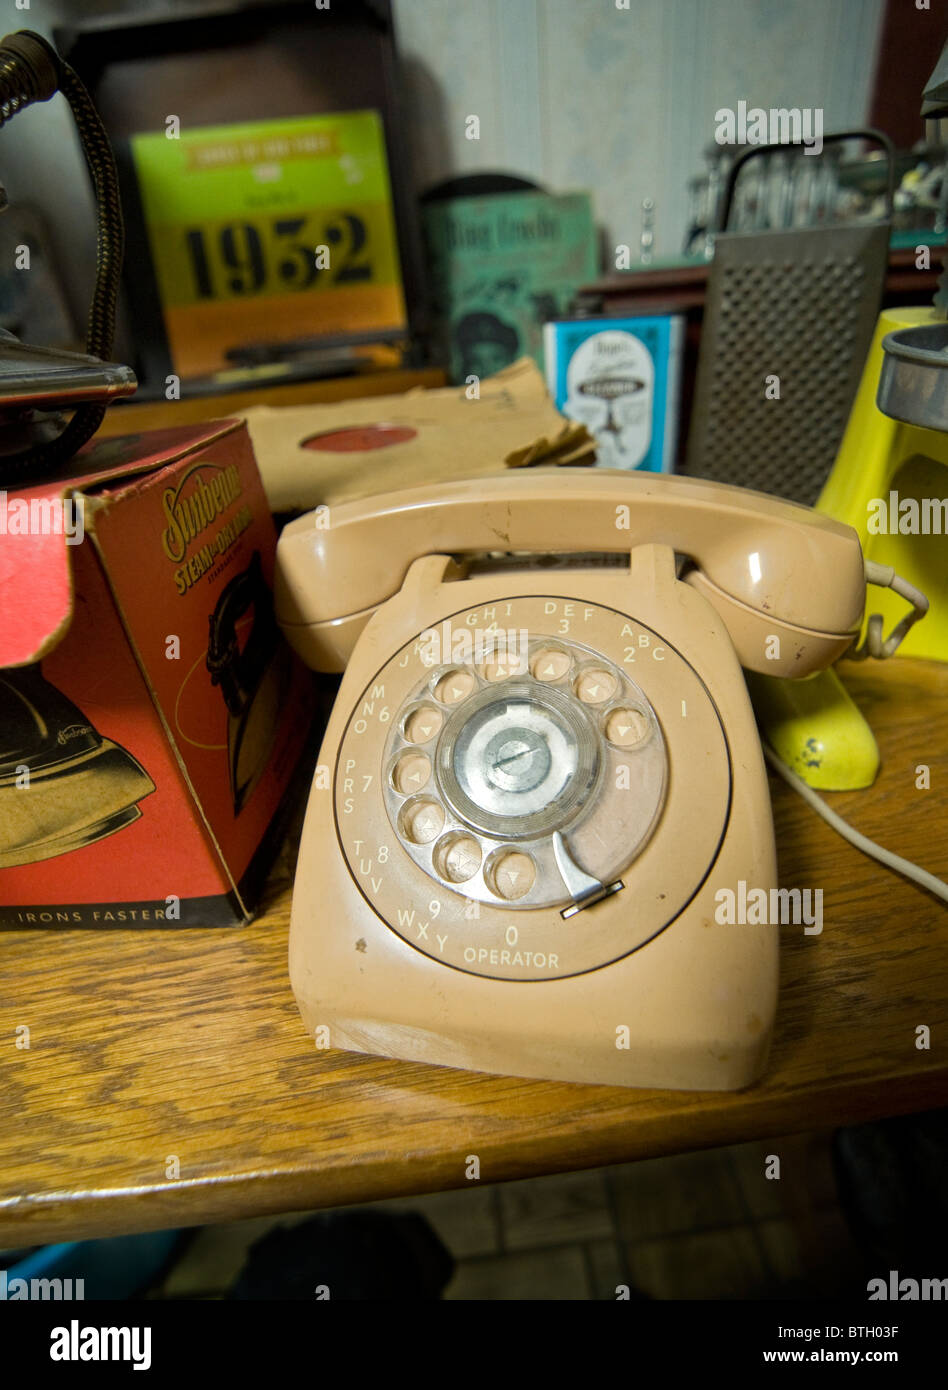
(890, 483)
(890, 479)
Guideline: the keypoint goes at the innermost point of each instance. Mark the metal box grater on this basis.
(800, 304)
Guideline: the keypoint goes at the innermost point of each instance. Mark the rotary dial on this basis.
(502, 775)
(532, 813)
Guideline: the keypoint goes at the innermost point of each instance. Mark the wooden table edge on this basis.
(208, 1200)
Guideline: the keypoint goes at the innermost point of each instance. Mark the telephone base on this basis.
(495, 1042)
(428, 918)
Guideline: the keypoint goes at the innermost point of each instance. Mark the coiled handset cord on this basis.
(874, 643)
(31, 70)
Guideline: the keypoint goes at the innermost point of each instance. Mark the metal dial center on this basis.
(514, 757)
(517, 760)
(520, 764)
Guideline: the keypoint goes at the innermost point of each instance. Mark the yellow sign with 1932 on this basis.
(268, 232)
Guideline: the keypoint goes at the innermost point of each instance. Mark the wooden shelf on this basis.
(129, 417)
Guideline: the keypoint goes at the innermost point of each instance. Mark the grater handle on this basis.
(877, 137)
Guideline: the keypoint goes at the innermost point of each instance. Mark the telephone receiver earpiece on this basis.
(788, 582)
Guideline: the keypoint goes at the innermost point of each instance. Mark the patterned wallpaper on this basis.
(580, 94)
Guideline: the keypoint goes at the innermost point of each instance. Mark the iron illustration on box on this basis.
(620, 378)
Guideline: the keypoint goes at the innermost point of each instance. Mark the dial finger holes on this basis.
(457, 858)
(627, 726)
(420, 820)
(549, 664)
(510, 874)
(499, 667)
(422, 724)
(594, 686)
(410, 772)
(454, 686)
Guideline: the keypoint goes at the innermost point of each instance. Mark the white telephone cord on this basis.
(861, 842)
(874, 645)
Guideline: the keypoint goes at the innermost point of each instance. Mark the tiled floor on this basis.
(709, 1225)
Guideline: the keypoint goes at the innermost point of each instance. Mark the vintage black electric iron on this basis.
(38, 382)
(62, 784)
(253, 671)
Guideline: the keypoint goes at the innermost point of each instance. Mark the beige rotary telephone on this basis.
(543, 763)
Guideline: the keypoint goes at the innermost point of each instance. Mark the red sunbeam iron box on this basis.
(151, 715)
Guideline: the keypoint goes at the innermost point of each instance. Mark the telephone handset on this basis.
(536, 779)
(765, 564)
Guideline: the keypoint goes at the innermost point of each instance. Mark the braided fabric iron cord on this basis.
(30, 70)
